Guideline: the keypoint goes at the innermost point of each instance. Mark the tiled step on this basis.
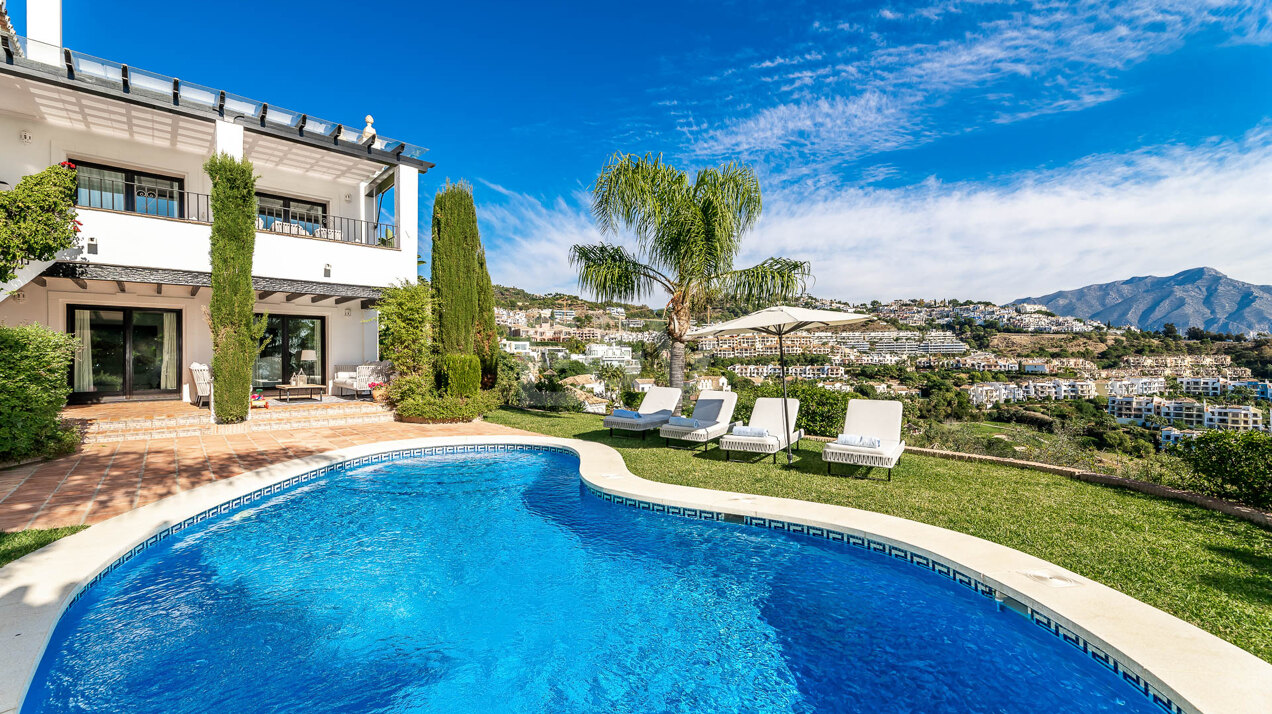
(260, 420)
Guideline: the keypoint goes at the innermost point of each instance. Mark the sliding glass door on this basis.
(294, 350)
(124, 352)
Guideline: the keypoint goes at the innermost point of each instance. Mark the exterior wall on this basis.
(344, 343)
(148, 241)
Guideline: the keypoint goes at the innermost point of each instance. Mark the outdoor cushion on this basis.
(757, 431)
(625, 414)
(684, 421)
(869, 442)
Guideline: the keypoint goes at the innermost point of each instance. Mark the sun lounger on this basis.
(712, 415)
(767, 415)
(875, 420)
(655, 409)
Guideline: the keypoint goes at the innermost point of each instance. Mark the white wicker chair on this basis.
(713, 411)
(655, 409)
(873, 418)
(202, 377)
(768, 415)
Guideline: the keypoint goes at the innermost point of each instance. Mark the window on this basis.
(293, 346)
(290, 215)
(383, 207)
(127, 190)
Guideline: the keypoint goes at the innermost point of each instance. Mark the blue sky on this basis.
(975, 149)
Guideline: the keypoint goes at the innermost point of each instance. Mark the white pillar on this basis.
(406, 185)
(44, 30)
(229, 138)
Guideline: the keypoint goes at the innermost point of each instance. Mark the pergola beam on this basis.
(318, 298)
(80, 283)
(194, 290)
(158, 288)
(120, 284)
(262, 294)
(294, 296)
(343, 300)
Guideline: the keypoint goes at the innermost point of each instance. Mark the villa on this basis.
(338, 210)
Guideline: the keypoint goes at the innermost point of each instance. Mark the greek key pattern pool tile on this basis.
(945, 570)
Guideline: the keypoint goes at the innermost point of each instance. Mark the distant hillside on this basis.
(513, 298)
(1200, 297)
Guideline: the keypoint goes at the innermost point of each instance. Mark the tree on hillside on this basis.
(464, 299)
(688, 234)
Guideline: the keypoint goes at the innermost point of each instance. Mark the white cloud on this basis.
(1155, 211)
(1069, 52)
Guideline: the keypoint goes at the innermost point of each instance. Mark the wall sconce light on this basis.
(25, 136)
(348, 197)
(348, 312)
(91, 244)
(20, 297)
(326, 270)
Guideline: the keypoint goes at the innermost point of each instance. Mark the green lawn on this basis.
(1210, 569)
(14, 545)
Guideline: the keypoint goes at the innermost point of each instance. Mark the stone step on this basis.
(289, 413)
(254, 425)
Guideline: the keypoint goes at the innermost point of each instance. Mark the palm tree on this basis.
(687, 237)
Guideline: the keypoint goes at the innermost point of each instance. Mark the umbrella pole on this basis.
(781, 360)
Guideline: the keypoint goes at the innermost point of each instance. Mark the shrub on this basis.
(461, 374)
(821, 410)
(543, 396)
(1230, 464)
(410, 387)
(448, 408)
(37, 219)
(236, 333)
(406, 327)
(631, 399)
(34, 362)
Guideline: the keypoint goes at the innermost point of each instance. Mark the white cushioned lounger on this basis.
(655, 409)
(869, 417)
(768, 415)
(714, 411)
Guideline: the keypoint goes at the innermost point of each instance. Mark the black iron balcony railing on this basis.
(167, 202)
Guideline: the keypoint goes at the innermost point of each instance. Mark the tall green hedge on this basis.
(456, 244)
(236, 333)
(406, 327)
(461, 374)
(34, 363)
(464, 303)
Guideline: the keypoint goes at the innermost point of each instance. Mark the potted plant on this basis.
(379, 391)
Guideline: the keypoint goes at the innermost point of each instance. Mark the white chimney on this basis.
(44, 30)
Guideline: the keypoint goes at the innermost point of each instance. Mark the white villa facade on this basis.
(337, 219)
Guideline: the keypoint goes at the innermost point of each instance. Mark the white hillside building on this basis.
(337, 220)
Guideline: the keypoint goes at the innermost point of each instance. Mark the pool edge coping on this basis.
(1196, 669)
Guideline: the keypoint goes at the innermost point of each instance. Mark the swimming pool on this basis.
(496, 582)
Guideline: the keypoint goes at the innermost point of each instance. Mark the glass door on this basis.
(124, 352)
(294, 349)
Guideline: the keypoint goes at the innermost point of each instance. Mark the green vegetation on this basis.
(689, 234)
(456, 245)
(441, 408)
(37, 218)
(15, 544)
(406, 327)
(1204, 567)
(236, 332)
(34, 362)
(461, 374)
(1229, 464)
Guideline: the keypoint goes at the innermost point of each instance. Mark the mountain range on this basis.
(1200, 297)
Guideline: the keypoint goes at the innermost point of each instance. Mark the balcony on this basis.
(151, 198)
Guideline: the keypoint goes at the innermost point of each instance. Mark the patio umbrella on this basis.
(780, 321)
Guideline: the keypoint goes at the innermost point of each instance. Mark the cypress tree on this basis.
(464, 299)
(236, 333)
(454, 268)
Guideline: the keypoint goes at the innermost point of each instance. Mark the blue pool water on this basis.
(494, 583)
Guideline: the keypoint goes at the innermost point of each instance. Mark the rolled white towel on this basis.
(865, 442)
(750, 431)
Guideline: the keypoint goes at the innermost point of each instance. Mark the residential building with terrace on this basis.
(1060, 389)
(1135, 386)
(1234, 417)
(987, 394)
(1172, 436)
(337, 220)
(1133, 409)
(607, 354)
(1202, 386)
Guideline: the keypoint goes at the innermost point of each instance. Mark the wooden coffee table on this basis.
(286, 391)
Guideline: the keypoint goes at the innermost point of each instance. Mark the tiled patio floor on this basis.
(105, 480)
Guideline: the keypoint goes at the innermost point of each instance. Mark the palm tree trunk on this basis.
(677, 368)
